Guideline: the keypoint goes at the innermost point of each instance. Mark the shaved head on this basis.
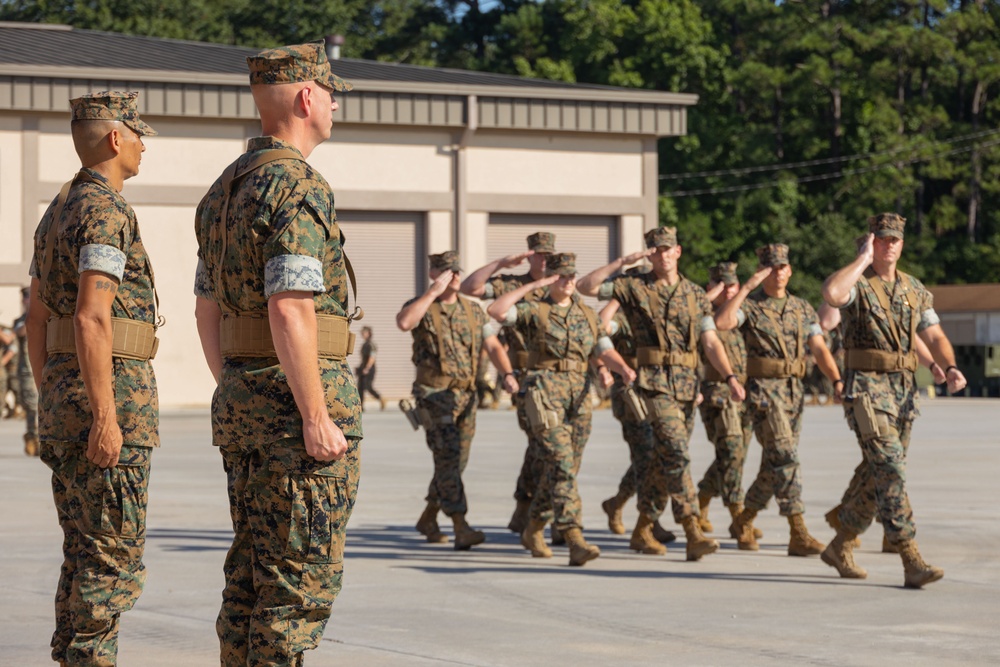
(276, 102)
(90, 139)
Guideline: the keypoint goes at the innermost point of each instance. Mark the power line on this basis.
(739, 171)
(828, 176)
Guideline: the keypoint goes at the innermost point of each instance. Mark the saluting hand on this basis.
(758, 277)
(440, 284)
(637, 256)
(867, 249)
(513, 260)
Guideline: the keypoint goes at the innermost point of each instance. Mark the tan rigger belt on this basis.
(880, 361)
(518, 359)
(762, 367)
(130, 339)
(431, 378)
(654, 356)
(250, 336)
(537, 363)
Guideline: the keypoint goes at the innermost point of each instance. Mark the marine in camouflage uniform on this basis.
(561, 334)
(482, 283)
(883, 311)
(668, 315)
(635, 431)
(725, 420)
(272, 308)
(779, 330)
(449, 331)
(98, 412)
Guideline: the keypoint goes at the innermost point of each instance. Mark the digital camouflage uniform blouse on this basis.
(282, 235)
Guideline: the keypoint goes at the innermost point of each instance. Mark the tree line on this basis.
(813, 114)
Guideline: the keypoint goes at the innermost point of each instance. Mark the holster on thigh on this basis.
(541, 417)
(730, 421)
(871, 423)
(777, 422)
(636, 409)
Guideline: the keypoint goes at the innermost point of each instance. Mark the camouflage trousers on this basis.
(29, 401)
(285, 566)
(777, 428)
(532, 466)
(661, 460)
(879, 482)
(453, 412)
(557, 496)
(102, 513)
(724, 477)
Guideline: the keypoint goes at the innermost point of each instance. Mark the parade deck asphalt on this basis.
(406, 602)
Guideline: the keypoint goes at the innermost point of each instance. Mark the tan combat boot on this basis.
(579, 551)
(833, 518)
(533, 539)
(519, 519)
(613, 508)
(428, 526)
(801, 543)
(697, 544)
(743, 527)
(734, 511)
(556, 538)
(918, 573)
(887, 546)
(703, 502)
(840, 554)
(465, 536)
(661, 534)
(30, 444)
(643, 540)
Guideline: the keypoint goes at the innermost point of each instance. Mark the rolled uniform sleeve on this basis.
(293, 256)
(741, 318)
(928, 318)
(202, 282)
(104, 240)
(490, 329)
(603, 345)
(851, 296)
(510, 319)
(707, 324)
(488, 291)
(606, 290)
(106, 259)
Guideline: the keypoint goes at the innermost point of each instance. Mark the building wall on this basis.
(448, 182)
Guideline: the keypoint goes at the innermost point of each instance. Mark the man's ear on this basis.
(305, 100)
(115, 140)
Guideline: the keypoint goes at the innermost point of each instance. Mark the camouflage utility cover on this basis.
(887, 224)
(281, 235)
(561, 264)
(295, 64)
(445, 261)
(542, 242)
(724, 272)
(773, 254)
(111, 105)
(96, 231)
(661, 237)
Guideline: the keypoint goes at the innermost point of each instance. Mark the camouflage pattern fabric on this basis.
(780, 475)
(95, 215)
(453, 410)
(724, 476)
(532, 465)
(632, 292)
(289, 511)
(283, 209)
(28, 395)
(295, 64)
(879, 483)
(567, 336)
(102, 514)
(285, 566)
(662, 463)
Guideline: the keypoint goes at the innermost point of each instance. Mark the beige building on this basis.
(422, 160)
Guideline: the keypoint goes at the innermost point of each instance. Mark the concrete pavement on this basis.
(406, 602)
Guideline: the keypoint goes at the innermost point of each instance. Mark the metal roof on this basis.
(62, 46)
(981, 298)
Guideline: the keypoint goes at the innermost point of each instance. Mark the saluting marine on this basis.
(884, 311)
(562, 334)
(779, 330)
(449, 331)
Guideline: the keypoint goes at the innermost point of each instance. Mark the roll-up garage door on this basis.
(387, 252)
(594, 239)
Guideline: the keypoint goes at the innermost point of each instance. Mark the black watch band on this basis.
(949, 368)
(731, 375)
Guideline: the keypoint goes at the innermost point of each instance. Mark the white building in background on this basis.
(422, 160)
